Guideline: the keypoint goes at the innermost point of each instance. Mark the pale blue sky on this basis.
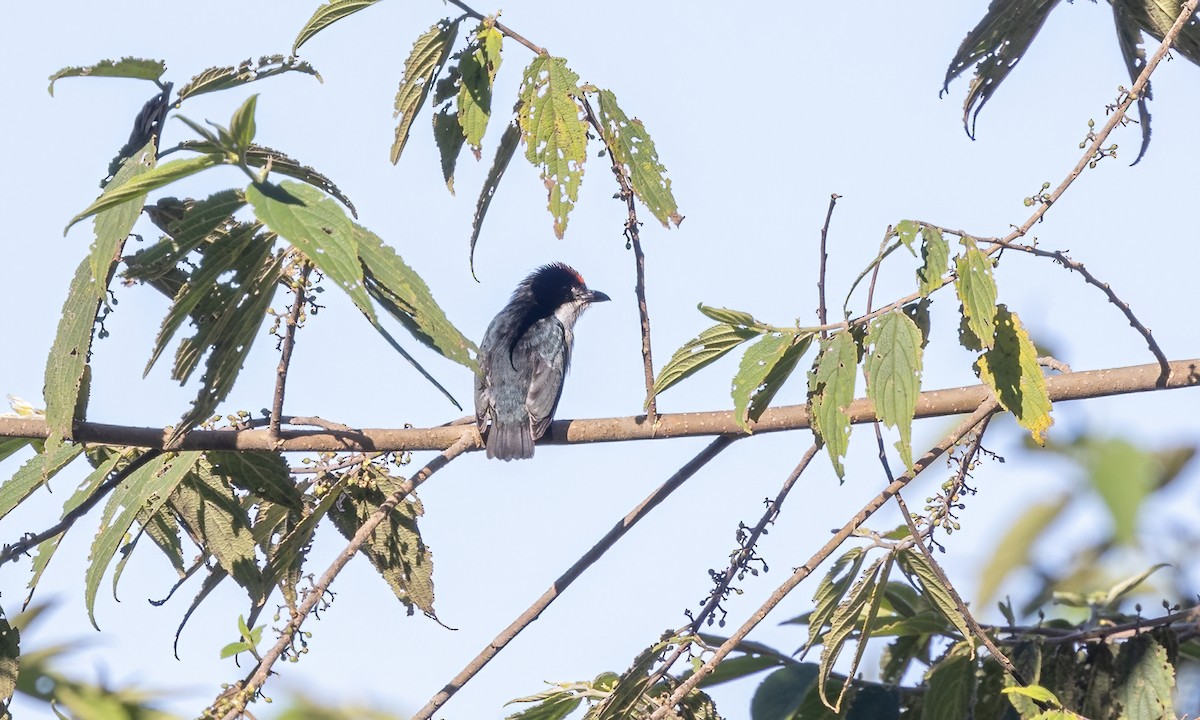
(759, 112)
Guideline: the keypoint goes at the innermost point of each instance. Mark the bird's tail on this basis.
(509, 441)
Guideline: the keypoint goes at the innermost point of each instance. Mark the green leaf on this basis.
(318, 228)
(555, 707)
(35, 473)
(265, 474)
(242, 125)
(1129, 584)
(977, 292)
(151, 484)
(223, 78)
(10, 663)
(729, 317)
(449, 136)
(135, 190)
(766, 365)
(855, 614)
(425, 61)
(740, 667)
(699, 352)
(67, 363)
(632, 147)
(917, 567)
(627, 696)
(504, 155)
(1123, 474)
(326, 15)
(1145, 679)
(874, 702)
(1000, 39)
(950, 687)
(830, 391)
(780, 695)
(404, 295)
(395, 547)
(1037, 693)
(893, 368)
(1013, 549)
(1011, 370)
(127, 67)
(935, 252)
(906, 231)
(188, 225)
(114, 224)
(478, 66)
(555, 135)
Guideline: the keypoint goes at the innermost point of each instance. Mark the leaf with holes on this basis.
(126, 67)
(1146, 679)
(766, 365)
(634, 150)
(1010, 368)
(977, 292)
(555, 135)
(830, 391)
(188, 225)
(854, 616)
(893, 366)
(115, 221)
(906, 231)
(504, 155)
(326, 15)
(35, 473)
(449, 137)
(425, 61)
(935, 253)
(215, 79)
(67, 364)
(478, 66)
(134, 191)
(700, 352)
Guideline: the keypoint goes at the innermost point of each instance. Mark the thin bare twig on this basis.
(822, 314)
(23, 545)
(988, 407)
(232, 703)
(287, 344)
(564, 581)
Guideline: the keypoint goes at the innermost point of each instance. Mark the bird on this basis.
(524, 358)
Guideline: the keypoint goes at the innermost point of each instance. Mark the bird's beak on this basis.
(596, 296)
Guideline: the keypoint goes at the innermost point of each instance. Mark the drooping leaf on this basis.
(285, 559)
(478, 66)
(781, 694)
(935, 253)
(114, 224)
(1011, 370)
(701, 351)
(916, 566)
(1145, 679)
(555, 136)
(830, 391)
(553, 706)
(135, 190)
(395, 548)
(326, 15)
(35, 473)
(265, 474)
(151, 484)
(425, 61)
(855, 614)
(66, 365)
(222, 78)
(906, 231)
(893, 366)
(1013, 549)
(632, 148)
(504, 155)
(449, 136)
(126, 67)
(766, 365)
(829, 594)
(995, 46)
(977, 292)
(950, 687)
(188, 225)
(260, 156)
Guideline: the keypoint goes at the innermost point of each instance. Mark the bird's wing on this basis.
(484, 402)
(545, 345)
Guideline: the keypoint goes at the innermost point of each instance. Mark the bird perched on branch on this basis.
(524, 357)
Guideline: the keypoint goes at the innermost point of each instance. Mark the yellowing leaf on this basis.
(977, 292)
(830, 391)
(632, 147)
(1011, 370)
(893, 365)
(478, 67)
(555, 136)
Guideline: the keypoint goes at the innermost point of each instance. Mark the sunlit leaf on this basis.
(700, 352)
(855, 614)
(917, 567)
(766, 365)
(36, 472)
(893, 367)
(127, 67)
(135, 190)
(977, 292)
(478, 66)
(66, 365)
(634, 150)
(729, 317)
(830, 391)
(1011, 370)
(247, 71)
(1145, 679)
(555, 135)
(425, 61)
(326, 15)
(935, 254)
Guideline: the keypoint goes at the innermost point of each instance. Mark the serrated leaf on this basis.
(113, 225)
(406, 297)
(781, 693)
(1011, 370)
(1013, 549)
(10, 663)
(126, 67)
(977, 292)
(906, 231)
(916, 566)
(66, 365)
(1036, 693)
(739, 667)
(830, 591)
(134, 191)
(766, 365)
(729, 317)
(830, 391)
(265, 474)
(242, 126)
(555, 707)
(632, 147)
(395, 548)
(1145, 680)
(504, 155)
(627, 695)
(995, 45)
(188, 225)
(700, 352)
(950, 688)
(555, 136)
(855, 614)
(424, 63)
(35, 473)
(150, 484)
(223, 78)
(326, 15)
(449, 136)
(893, 367)
(935, 253)
(478, 66)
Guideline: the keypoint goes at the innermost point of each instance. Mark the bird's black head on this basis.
(555, 285)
